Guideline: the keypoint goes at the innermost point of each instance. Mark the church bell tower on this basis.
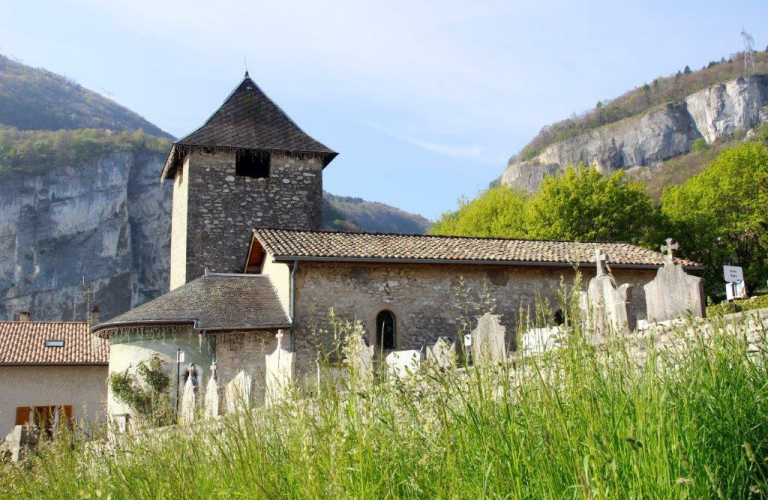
(248, 166)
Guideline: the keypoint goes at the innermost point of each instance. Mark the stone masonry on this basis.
(423, 298)
(244, 351)
(222, 208)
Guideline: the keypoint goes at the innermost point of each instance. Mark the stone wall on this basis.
(223, 208)
(244, 351)
(424, 298)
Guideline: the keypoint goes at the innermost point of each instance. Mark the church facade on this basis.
(249, 258)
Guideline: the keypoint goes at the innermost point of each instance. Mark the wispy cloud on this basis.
(473, 151)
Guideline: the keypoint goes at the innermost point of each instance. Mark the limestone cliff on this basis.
(662, 133)
(106, 221)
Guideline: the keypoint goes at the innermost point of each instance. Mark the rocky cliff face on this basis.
(664, 132)
(106, 221)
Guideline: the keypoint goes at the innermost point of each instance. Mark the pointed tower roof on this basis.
(248, 121)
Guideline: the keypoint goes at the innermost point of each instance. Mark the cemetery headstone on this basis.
(212, 394)
(605, 305)
(279, 373)
(359, 362)
(673, 292)
(239, 393)
(442, 355)
(188, 402)
(403, 364)
(489, 344)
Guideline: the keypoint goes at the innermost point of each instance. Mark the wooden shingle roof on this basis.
(24, 343)
(212, 302)
(248, 121)
(288, 245)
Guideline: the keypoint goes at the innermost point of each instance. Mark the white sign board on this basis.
(733, 274)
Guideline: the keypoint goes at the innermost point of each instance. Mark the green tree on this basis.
(719, 216)
(584, 205)
(498, 211)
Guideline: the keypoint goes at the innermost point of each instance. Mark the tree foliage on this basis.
(580, 205)
(34, 151)
(583, 205)
(499, 211)
(719, 215)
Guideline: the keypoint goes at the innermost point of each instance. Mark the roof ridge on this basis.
(447, 236)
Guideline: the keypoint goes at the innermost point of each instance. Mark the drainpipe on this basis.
(293, 305)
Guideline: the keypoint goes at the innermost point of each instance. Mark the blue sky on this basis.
(424, 101)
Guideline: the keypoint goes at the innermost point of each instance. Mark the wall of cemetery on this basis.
(426, 299)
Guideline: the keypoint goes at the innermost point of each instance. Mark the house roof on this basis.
(24, 343)
(212, 302)
(288, 245)
(248, 120)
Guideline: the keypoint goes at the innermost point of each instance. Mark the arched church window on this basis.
(385, 330)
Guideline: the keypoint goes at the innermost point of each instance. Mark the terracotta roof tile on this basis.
(23, 343)
(328, 245)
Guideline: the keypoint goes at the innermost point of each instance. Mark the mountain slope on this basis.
(345, 213)
(33, 99)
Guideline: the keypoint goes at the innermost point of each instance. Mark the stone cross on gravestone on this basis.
(600, 261)
(669, 248)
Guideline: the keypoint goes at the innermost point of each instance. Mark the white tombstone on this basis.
(359, 362)
(673, 292)
(442, 355)
(605, 305)
(212, 395)
(539, 340)
(188, 402)
(489, 344)
(403, 364)
(280, 367)
(239, 393)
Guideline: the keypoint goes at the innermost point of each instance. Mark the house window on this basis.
(385, 330)
(252, 164)
(45, 418)
(54, 343)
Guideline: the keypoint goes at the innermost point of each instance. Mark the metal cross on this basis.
(669, 248)
(600, 261)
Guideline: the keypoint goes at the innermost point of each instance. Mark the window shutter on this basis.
(23, 414)
(68, 412)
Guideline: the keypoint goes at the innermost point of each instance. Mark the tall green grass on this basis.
(579, 422)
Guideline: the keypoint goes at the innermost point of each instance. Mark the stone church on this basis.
(249, 257)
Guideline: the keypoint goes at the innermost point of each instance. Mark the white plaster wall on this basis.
(125, 353)
(82, 387)
(280, 274)
(179, 226)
